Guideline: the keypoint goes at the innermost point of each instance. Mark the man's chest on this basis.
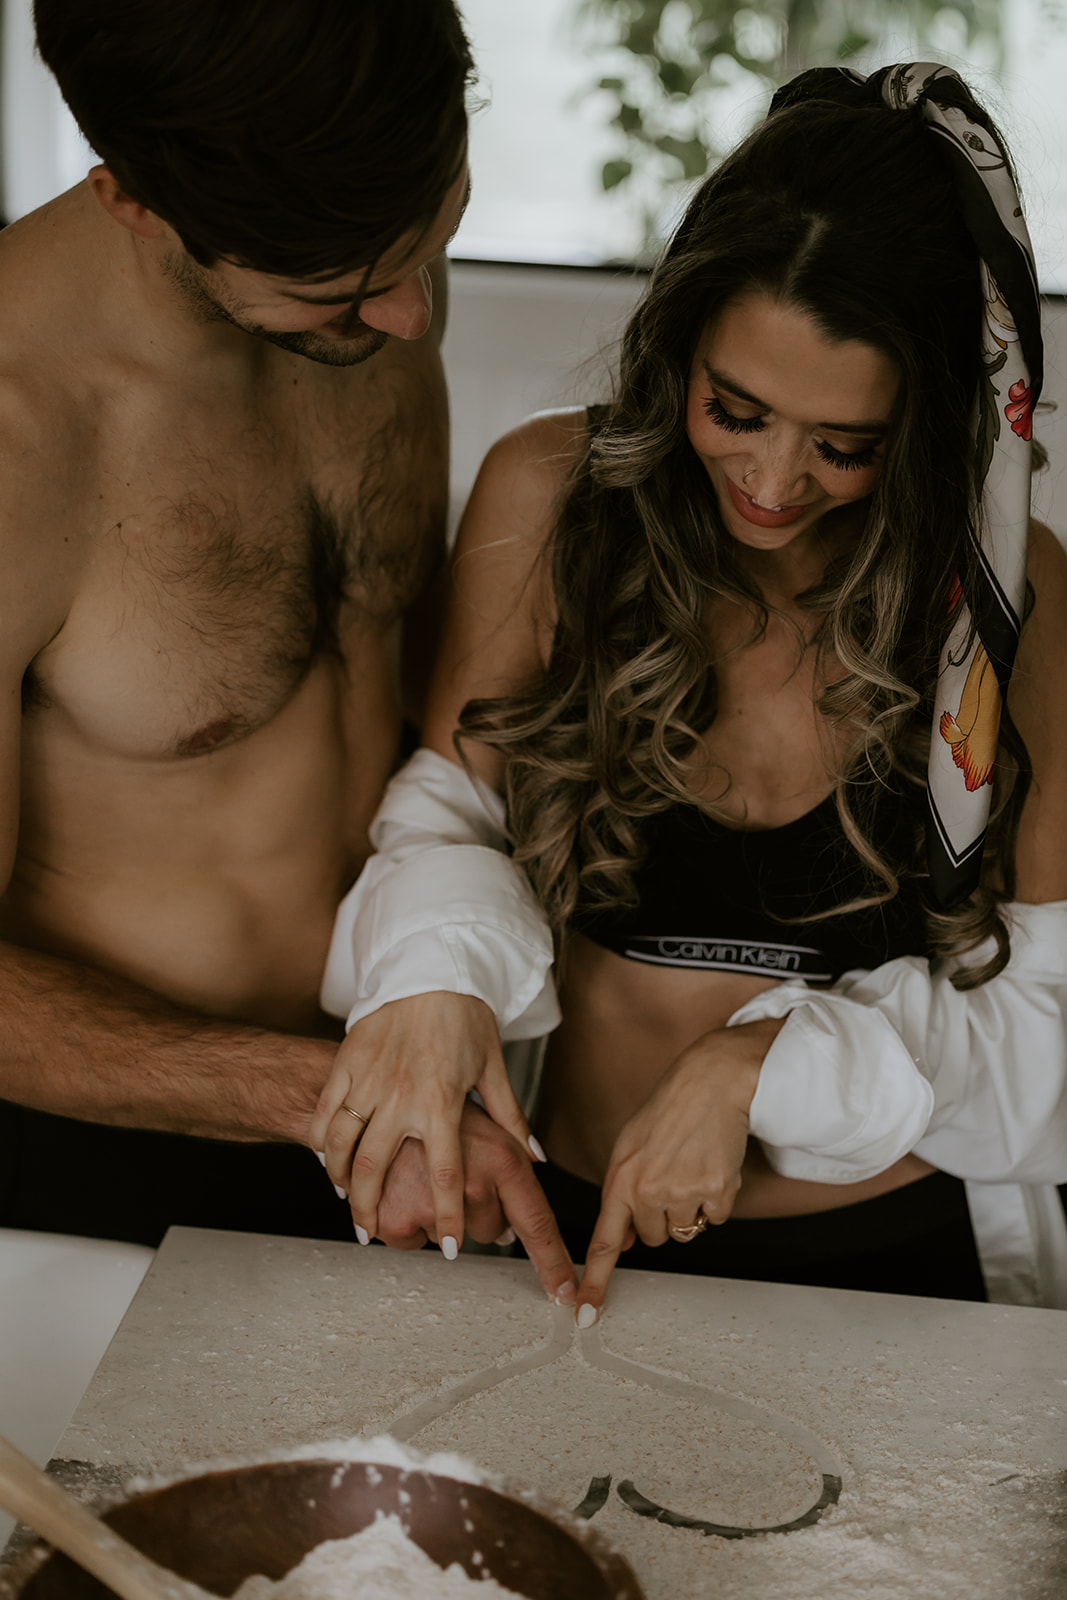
(223, 561)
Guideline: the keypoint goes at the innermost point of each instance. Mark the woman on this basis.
(697, 640)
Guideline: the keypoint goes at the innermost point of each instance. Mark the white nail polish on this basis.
(586, 1315)
(320, 1157)
(507, 1237)
(538, 1153)
(362, 1235)
(342, 1194)
(449, 1247)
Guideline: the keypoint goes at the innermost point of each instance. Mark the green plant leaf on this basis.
(692, 154)
(640, 36)
(612, 173)
(676, 78)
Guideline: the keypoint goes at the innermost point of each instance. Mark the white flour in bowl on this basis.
(379, 1563)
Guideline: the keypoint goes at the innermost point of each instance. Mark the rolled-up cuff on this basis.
(839, 1098)
(515, 984)
(455, 917)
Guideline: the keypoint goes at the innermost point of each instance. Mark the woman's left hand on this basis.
(403, 1072)
(679, 1158)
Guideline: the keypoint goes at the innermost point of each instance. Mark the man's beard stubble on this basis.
(342, 351)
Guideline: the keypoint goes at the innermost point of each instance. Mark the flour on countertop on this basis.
(905, 1528)
(548, 1426)
(380, 1563)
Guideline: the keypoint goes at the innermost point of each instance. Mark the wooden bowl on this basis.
(220, 1527)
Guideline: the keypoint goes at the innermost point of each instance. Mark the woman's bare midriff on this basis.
(212, 879)
(624, 1024)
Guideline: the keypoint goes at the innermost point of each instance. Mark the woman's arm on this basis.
(440, 907)
(441, 945)
(501, 613)
(993, 1061)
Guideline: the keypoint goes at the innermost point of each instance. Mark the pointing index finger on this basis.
(612, 1235)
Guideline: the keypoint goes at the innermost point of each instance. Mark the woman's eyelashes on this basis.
(843, 460)
(846, 460)
(726, 419)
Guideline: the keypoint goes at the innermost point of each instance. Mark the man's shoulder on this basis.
(40, 546)
(43, 298)
(41, 455)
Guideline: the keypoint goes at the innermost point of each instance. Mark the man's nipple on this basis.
(212, 734)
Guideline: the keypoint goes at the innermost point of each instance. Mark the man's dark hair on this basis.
(303, 138)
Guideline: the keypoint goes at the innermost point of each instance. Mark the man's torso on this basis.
(206, 736)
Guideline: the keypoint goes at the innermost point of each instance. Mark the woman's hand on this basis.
(404, 1072)
(680, 1156)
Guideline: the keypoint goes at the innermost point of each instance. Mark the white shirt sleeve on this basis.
(896, 1059)
(440, 905)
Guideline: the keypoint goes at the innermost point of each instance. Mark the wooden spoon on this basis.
(40, 1502)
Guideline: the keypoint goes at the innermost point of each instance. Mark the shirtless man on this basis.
(224, 443)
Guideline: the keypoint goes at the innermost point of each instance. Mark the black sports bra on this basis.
(721, 900)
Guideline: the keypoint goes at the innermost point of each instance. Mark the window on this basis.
(539, 146)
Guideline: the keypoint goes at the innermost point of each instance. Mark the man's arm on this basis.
(82, 1043)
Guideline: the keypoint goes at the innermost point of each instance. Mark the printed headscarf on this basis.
(977, 659)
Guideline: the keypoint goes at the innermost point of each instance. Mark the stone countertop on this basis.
(699, 1412)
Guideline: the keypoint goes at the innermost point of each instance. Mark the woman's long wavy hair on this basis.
(847, 214)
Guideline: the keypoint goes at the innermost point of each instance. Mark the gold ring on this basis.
(357, 1114)
(684, 1235)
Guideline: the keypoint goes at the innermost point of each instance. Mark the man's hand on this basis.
(500, 1191)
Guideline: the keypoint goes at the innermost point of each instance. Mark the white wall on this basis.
(521, 339)
(43, 152)
(524, 338)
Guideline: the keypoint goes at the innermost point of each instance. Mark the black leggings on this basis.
(915, 1240)
(62, 1176)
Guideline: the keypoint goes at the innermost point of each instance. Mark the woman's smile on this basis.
(763, 516)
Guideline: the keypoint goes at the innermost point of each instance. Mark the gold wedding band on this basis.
(357, 1114)
(684, 1235)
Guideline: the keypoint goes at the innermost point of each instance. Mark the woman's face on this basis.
(788, 424)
